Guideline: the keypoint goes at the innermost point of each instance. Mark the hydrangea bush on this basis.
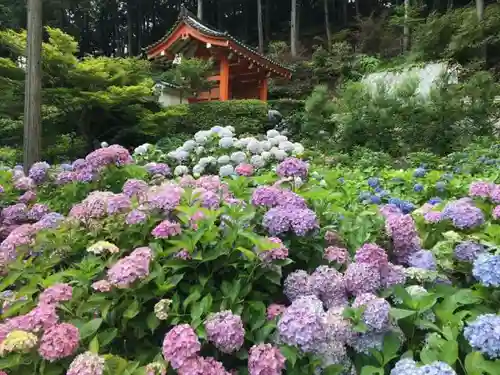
(114, 265)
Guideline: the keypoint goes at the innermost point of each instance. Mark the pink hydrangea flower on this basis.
(279, 251)
(56, 293)
(225, 330)
(59, 341)
(433, 217)
(371, 254)
(180, 344)
(336, 254)
(274, 310)
(480, 189)
(86, 364)
(202, 366)
(166, 229)
(40, 318)
(496, 213)
(265, 359)
(495, 194)
(244, 170)
(102, 286)
(131, 268)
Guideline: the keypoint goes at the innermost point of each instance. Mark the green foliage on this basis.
(403, 121)
(318, 111)
(244, 115)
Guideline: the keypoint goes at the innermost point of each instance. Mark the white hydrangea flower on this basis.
(281, 138)
(273, 141)
(104, 144)
(225, 132)
(172, 154)
(204, 161)
(245, 141)
(211, 160)
(322, 183)
(189, 145)
(286, 146)
(226, 170)
(181, 154)
(279, 154)
(181, 170)
(198, 169)
(254, 146)
(201, 137)
(238, 157)
(298, 181)
(224, 159)
(266, 155)
(315, 175)
(226, 142)
(199, 150)
(298, 149)
(216, 129)
(237, 144)
(272, 133)
(231, 128)
(266, 145)
(257, 161)
(142, 149)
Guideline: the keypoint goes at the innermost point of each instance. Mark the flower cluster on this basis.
(483, 335)
(265, 359)
(486, 269)
(131, 268)
(463, 214)
(225, 330)
(86, 364)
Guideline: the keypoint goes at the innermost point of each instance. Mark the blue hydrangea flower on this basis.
(405, 366)
(467, 251)
(407, 207)
(486, 269)
(418, 188)
(435, 200)
(364, 195)
(419, 172)
(483, 334)
(375, 199)
(440, 185)
(423, 259)
(436, 368)
(373, 182)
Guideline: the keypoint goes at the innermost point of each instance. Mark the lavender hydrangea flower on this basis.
(405, 366)
(404, 235)
(131, 268)
(277, 221)
(376, 313)
(158, 168)
(225, 330)
(480, 189)
(433, 217)
(495, 194)
(38, 172)
(166, 229)
(438, 368)
(266, 196)
(328, 284)
(363, 343)
(496, 213)
(297, 284)
(302, 324)
(362, 278)
(292, 167)
(483, 334)
(423, 259)
(135, 217)
(486, 269)
(467, 251)
(393, 275)
(463, 214)
(265, 359)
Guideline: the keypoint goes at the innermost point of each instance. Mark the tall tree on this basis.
(406, 27)
(200, 9)
(33, 89)
(260, 26)
(327, 23)
(293, 29)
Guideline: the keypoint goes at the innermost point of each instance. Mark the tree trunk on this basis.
(130, 30)
(327, 24)
(356, 6)
(268, 21)
(220, 14)
(260, 27)
(480, 9)
(33, 89)
(480, 16)
(140, 23)
(344, 12)
(293, 29)
(406, 28)
(199, 14)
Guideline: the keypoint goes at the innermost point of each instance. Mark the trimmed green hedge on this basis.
(247, 116)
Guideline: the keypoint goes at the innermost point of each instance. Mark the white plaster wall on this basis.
(168, 98)
(426, 77)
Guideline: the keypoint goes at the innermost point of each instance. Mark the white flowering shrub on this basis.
(220, 151)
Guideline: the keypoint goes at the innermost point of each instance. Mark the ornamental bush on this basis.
(111, 267)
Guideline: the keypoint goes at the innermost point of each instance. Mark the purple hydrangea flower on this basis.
(376, 313)
(50, 220)
(37, 211)
(118, 203)
(486, 269)
(336, 254)
(38, 172)
(15, 213)
(297, 284)
(495, 194)
(277, 221)
(496, 213)
(135, 217)
(433, 217)
(372, 254)
(135, 188)
(423, 259)
(225, 330)
(278, 252)
(362, 278)
(302, 324)
(158, 168)
(467, 251)
(463, 214)
(267, 196)
(393, 275)
(328, 284)
(265, 359)
(166, 229)
(180, 344)
(404, 235)
(292, 167)
(483, 334)
(131, 268)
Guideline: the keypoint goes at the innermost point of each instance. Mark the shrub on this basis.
(246, 116)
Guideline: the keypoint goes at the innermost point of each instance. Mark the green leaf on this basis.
(94, 345)
(401, 313)
(152, 321)
(193, 297)
(248, 253)
(372, 370)
(90, 328)
(473, 363)
(106, 336)
(132, 310)
(449, 352)
(333, 370)
(290, 353)
(391, 347)
(115, 365)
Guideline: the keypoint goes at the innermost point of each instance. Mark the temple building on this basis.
(241, 71)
